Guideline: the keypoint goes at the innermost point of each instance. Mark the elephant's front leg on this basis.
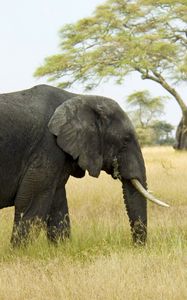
(58, 224)
(21, 228)
(32, 204)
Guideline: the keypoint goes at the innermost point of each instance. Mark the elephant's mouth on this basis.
(138, 186)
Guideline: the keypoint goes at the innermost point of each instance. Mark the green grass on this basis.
(99, 261)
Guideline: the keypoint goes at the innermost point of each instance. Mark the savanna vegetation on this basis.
(99, 262)
(124, 36)
(146, 114)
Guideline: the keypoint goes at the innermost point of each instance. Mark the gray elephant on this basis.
(48, 134)
(181, 134)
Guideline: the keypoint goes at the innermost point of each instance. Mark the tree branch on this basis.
(171, 90)
(159, 79)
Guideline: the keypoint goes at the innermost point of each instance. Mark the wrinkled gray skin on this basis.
(48, 134)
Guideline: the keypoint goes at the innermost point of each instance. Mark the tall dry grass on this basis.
(99, 262)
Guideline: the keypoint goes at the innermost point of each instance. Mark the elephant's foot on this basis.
(26, 231)
(20, 235)
(56, 235)
(139, 233)
(58, 228)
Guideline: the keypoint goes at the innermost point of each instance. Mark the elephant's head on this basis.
(97, 133)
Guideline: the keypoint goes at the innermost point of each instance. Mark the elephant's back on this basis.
(37, 103)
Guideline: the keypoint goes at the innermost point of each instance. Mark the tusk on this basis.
(146, 194)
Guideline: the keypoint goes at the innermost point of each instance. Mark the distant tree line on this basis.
(145, 112)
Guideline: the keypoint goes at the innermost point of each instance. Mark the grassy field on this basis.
(99, 262)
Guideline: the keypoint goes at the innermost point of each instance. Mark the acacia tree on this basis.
(145, 108)
(145, 111)
(123, 36)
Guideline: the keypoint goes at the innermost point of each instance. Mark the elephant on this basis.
(48, 134)
(181, 134)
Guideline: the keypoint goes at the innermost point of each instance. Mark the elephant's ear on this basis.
(78, 130)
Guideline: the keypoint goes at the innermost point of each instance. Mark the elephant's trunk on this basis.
(136, 206)
(135, 196)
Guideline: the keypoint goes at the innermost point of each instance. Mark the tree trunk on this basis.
(181, 133)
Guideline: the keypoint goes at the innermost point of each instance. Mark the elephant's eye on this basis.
(125, 142)
(126, 139)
